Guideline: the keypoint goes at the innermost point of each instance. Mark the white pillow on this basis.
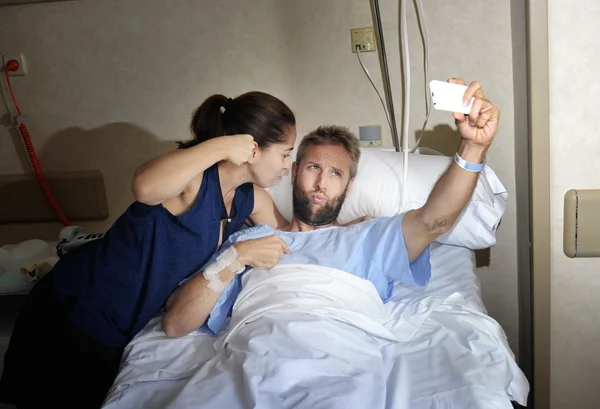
(377, 191)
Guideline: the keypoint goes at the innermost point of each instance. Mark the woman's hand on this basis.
(262, 253)
(238, 149)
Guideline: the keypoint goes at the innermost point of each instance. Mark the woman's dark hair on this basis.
(261, 115)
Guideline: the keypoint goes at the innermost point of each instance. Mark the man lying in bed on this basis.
(381, 250)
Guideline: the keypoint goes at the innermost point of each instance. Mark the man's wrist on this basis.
(241, 257)
(226, 275)
(472, 152)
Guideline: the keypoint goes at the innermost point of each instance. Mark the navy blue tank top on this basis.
(116, 284)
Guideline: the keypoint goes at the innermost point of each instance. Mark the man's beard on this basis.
(326, 214)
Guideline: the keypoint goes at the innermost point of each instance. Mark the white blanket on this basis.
(305, 336)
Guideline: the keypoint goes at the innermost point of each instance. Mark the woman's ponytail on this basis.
(207, 121)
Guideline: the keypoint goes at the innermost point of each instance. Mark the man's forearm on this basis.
(452, 191)
(444, 204)
(189, 306)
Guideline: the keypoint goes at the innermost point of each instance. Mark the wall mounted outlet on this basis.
(363, 38)
(20, 57)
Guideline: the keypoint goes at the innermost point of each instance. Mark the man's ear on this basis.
(256, 152)
(294, 171)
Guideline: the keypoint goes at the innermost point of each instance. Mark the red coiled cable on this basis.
(13, 65)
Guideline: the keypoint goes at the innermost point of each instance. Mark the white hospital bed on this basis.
(448, 352)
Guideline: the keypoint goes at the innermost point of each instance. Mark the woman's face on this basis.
(274, 162)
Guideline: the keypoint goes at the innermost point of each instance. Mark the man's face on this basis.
(320, 184)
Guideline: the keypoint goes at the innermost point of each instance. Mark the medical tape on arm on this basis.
(227, 259)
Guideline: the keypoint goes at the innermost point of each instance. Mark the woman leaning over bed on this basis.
(68, 339)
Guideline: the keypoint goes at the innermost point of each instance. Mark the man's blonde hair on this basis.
(332, 135)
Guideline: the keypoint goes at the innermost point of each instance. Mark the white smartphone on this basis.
(447, 96)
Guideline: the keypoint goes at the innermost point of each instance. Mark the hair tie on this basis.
(225, 106)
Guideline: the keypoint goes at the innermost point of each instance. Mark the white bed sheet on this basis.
(450, 352)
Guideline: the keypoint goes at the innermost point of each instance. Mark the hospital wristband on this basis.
(468, 166)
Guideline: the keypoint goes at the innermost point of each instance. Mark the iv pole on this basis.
(384, 70)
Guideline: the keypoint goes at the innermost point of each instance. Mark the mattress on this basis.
(448, 351)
